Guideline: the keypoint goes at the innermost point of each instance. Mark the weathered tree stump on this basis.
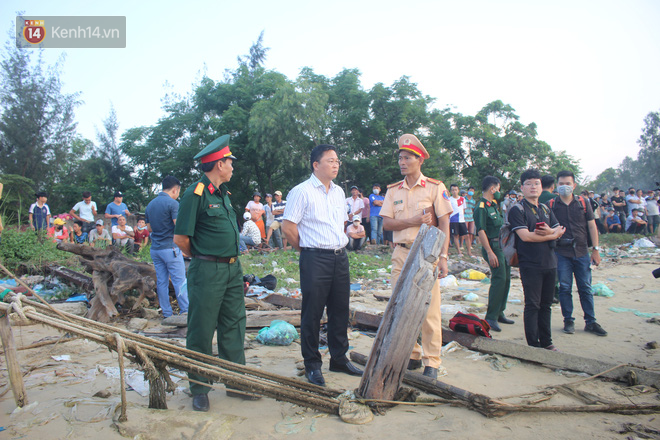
(112, 274)
(403, 318)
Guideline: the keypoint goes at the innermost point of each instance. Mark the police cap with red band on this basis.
(409, 142)
(216, 150)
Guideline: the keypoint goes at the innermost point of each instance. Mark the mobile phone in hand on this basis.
(540, 225)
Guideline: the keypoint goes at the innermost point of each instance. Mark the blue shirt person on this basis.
(116, 208)
(160, 216)
(376, 221)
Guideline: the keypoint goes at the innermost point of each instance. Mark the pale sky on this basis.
(586, 72)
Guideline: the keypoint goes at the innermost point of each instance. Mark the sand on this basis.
(62, 403)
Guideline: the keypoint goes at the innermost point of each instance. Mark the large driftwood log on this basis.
(556, 359)
(112, 274)
(403, 318)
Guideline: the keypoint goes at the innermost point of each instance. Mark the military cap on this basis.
(409, 142)
(216, 150)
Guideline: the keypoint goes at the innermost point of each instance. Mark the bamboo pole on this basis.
(277, 387)
(13, 368)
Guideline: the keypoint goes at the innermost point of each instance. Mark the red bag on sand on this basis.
(469, 323)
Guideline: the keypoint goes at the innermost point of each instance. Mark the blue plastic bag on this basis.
(279, 333)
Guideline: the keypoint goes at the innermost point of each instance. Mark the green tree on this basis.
(36, 119)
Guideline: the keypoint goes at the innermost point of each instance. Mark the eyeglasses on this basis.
(334, 162)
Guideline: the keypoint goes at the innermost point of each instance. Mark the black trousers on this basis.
(539, 289)
(324, 282)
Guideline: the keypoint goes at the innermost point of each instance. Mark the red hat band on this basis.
(217, 155)
(413, 149)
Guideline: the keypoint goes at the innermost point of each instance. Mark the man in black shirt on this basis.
(536, 230)
(572, 254)
(620, 206)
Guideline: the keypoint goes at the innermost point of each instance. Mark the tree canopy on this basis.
(274, 123)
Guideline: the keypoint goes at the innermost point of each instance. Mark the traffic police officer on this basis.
(488, 220)
(206, 230)
(415, 200)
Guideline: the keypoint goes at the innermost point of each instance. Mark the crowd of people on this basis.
(553, 229)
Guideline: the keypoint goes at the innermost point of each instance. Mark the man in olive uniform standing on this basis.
(489, 220)
(408, 204)
(206, 230)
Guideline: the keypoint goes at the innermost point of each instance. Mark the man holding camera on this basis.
(573, 259)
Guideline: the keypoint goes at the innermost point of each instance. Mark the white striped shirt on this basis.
(320, 216)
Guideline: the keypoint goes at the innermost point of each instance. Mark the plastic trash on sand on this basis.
(643, 243)
(470, 296)
(279, 333)
(448, 281)
(471, 274)
(601, 289)
(452, 309)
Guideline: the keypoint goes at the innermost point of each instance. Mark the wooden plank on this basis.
(255, 318)
(284, 301)
(554, 359)
(78, 279)
(13, 368)
(356, 318)
(403, 318)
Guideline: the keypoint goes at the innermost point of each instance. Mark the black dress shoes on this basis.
(430, 372)
(414, 364)
(200, 402)
(493, 325)
(504, 320)
(315, 377)
(347, 368)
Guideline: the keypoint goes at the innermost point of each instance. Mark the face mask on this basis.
(376, 191)
(141, 228)
(565, 190)
(59, 228)
(497, 195)
(632, 193)
(470, 193)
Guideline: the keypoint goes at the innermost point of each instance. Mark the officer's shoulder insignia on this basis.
(494, 202)
(199, 189)
(481, 204)
(445, 195)
(211, 188)
(228, 193)
(392, 185)
(437, 182)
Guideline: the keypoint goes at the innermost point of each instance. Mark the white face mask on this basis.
(376, 191)
(565, 190)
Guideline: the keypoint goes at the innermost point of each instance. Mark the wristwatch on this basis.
(596, 248)
(445, 256)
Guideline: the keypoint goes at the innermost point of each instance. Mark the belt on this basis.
(404, 245)
(229, 260)
(324, 251)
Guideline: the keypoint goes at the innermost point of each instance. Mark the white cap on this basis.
(356, 218)
(247, 216)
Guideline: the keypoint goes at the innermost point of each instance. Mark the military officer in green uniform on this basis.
(206, 230)
(488, 221)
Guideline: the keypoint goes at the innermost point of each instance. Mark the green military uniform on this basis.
(487, 217)
(546, 196)
(215, 288)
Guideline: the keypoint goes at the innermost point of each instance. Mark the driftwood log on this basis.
(621, 373)
(403, 318)
(112, 274)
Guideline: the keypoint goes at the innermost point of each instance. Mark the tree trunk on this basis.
(112, 274)
(403, 318)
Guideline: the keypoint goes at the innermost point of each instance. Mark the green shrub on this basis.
(31, 249)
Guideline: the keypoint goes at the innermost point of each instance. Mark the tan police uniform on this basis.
(402, 202)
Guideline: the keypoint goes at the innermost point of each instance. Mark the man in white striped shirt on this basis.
(314, 225)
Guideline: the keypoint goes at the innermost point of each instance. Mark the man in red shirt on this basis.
(141, 235)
